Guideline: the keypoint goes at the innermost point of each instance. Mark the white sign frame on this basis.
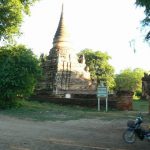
(102, 92)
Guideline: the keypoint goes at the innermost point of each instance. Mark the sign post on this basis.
(102, 92)
(98, 103)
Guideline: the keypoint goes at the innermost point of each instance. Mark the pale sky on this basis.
(105, 25)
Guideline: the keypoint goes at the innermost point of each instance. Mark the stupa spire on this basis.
(61, 37)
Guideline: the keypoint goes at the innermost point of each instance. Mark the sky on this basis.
(104, 25)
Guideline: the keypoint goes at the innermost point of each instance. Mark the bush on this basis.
(19, 71)
(130, 80)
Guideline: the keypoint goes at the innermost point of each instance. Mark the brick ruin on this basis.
(63, 72)
(146, 86)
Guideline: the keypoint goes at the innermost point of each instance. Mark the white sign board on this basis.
(102, 92)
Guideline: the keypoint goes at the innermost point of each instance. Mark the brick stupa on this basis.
(63, 72)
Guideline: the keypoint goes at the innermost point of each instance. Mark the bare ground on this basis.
(83, 134)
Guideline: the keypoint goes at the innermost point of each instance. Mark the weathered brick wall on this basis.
(124, 100)
(84, 101)
(146, 86)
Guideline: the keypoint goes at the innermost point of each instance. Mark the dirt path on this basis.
(85, 134)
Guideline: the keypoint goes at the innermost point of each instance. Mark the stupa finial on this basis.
(61, 35)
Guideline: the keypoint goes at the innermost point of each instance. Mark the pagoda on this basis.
(63, 71)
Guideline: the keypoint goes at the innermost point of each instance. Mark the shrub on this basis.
(19, 70)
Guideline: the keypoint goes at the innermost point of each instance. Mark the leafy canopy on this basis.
(99, 67)
(11, 16)
(146, 20)
(129, 80)
(19, 70)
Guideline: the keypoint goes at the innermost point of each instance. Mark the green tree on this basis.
(11, 16)
(99, 67)
(19, 70)
(130, 80)
(146, 20)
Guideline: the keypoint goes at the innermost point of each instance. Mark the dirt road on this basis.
(84, 134)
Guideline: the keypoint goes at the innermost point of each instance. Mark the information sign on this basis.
(102, 92)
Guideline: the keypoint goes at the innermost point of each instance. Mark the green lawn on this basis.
(140, 105)
(51, 112)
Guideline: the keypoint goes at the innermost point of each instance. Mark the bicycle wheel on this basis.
(129, 136)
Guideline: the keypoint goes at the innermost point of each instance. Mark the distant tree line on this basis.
(101, 70)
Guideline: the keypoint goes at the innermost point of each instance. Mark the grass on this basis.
(51, 112)
(46, 111)
(140, 105)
